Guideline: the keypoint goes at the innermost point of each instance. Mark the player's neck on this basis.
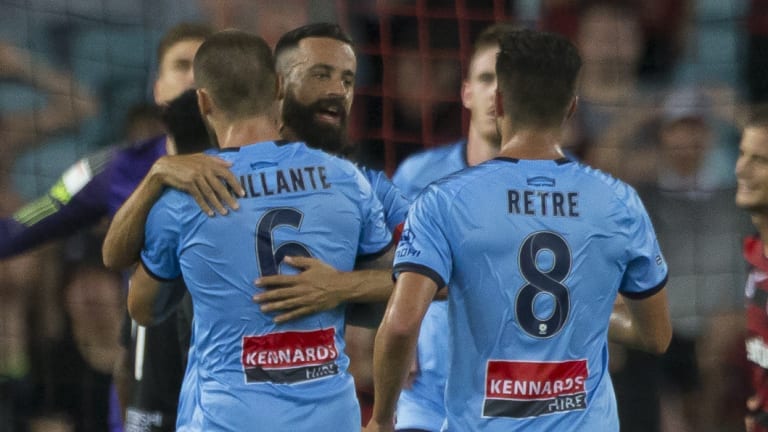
(532, 144)
(479, 148)
(288, 133)
(246, 131)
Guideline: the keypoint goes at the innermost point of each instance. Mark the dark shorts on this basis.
(679, 365)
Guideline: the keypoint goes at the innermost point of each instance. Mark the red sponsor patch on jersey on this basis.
(290, 356)
(528, 389)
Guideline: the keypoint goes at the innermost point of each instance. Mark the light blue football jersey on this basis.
(249, 372)
(534, 253)
(419, 170)
(421, 405)
(395, 204)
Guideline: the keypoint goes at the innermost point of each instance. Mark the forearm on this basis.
(642, 324)
(396, 341)
(621, 328)
(67, 102)
(365, 286)
(392, 357)
(125, 237)
(371, 281)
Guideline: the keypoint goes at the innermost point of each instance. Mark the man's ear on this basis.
(280, 85)
(204, 102)
(154, 90)
(572, 108)
(499, 104)
(466, 94)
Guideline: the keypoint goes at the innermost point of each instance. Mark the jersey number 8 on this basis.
(543, 281)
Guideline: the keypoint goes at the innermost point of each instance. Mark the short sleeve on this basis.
(375, 236)
(424, 245)
(395, 204)
(646, 271)
(162, 238)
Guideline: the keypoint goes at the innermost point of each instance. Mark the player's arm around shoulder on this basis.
(205, 178)
(642, 323)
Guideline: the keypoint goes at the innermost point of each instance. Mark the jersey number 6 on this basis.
(270, 257)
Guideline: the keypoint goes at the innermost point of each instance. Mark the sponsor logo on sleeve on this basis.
(405, 248)
(290, 357)
(520, 389)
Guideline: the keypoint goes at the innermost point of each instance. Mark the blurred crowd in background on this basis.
(664, 89)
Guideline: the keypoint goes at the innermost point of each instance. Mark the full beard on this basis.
(301, 120)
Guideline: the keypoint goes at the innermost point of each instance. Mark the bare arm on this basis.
(142, 295)
(643, 324)
(151, 300)
(197, 174)
(396, 344)
(321, 287)
(67, 101)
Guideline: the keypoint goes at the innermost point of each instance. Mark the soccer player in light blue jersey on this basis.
(250, 371)
(534, 248)
(317, 66)
(421, 407)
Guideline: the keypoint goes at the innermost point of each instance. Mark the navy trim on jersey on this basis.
(154, 276)
(279, 143)
(647, 293)
(465, 150)
(559, 161)
(507, 159)
(375, 255)
(420, 269)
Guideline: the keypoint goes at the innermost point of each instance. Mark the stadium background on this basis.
(412, 55)
(411, 58)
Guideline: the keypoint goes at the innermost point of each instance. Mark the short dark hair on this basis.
(489, 38)
(291, 39)
(491, 35)
(185, 124)
(238, 71)
(181, 32)
(537, 73)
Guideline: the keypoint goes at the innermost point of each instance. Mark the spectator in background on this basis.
(611, 101)
(267, 18)
(663, 25)
(93, 189)
(26, 292)
(699, 228)
(757, 52)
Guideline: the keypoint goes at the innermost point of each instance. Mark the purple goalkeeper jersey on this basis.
(94, 187)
